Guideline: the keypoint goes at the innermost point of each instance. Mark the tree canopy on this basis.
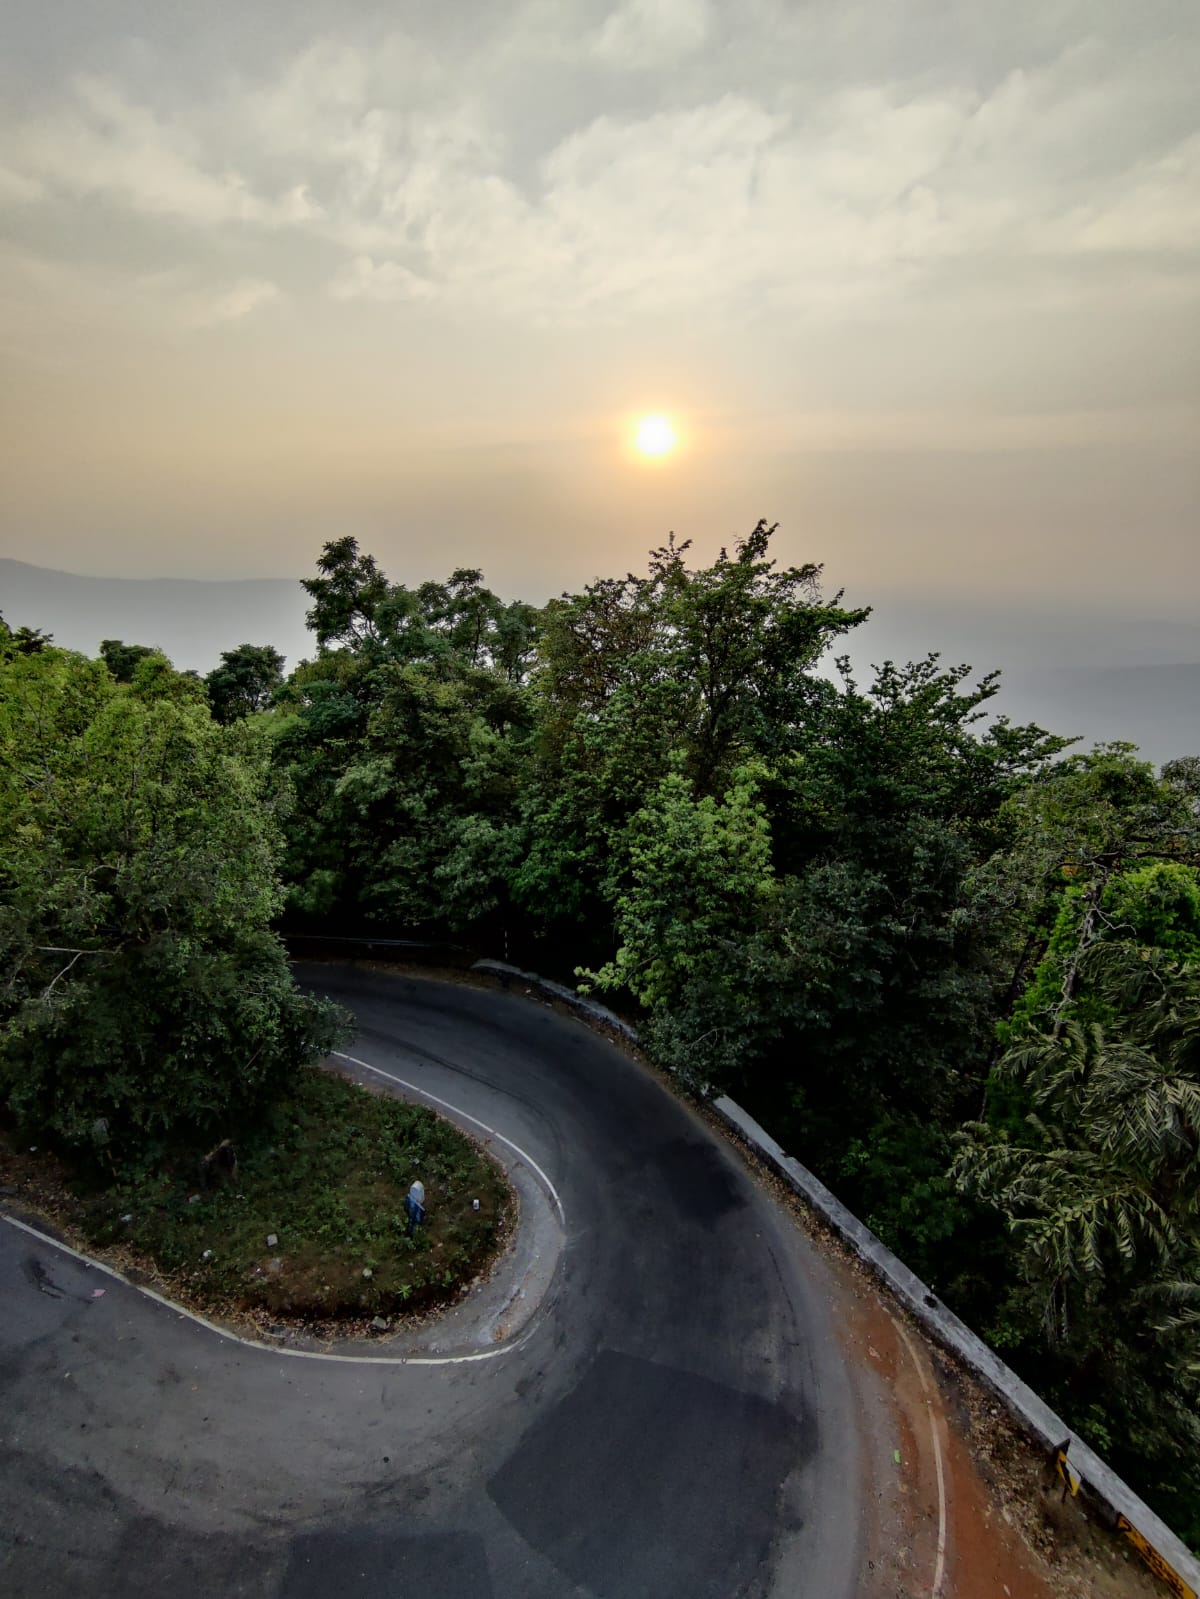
(144, 994)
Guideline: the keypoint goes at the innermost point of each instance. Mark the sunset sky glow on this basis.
(920, 282)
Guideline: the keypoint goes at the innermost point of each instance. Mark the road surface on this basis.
(666, 1414)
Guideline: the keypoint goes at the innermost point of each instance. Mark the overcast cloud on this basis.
(920, 280)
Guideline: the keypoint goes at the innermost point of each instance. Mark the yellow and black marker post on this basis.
(1062, 1467)
(1161, 1568)
(1155, 1561)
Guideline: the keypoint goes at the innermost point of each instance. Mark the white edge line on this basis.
(253, 1343)
(474, 1120)
(940, 1567)
(318, 1354)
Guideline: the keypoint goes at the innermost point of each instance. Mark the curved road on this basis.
(672, 1421)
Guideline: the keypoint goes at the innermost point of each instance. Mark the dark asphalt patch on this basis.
(369, 1563)
(155, 1558)
(41, 1278)
(699, 1181)
(647, 1482)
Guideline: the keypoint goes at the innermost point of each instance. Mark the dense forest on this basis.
(953, 964)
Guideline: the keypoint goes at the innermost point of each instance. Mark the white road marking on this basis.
(939, 1570)
(474, 1120)
(252, 1343)
(316, 1354)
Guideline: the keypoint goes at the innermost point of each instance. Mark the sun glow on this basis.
(655, 435)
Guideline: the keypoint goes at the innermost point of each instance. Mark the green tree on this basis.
(24, 640)
(698, 671)
(245, 682)
(1100, 1187)
(402, 742)
(145, 998)
(1093, 846)
(346, 595)
(123, 659)
(700, 877)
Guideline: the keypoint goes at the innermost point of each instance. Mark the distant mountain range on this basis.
(1100, 676)
(1155, 707)
(192, 619)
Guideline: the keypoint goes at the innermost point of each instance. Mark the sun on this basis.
(655, 435)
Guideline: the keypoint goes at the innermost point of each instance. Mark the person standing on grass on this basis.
(414, 1205)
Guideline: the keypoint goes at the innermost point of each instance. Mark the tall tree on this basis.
(700, 882)
(1100, 1184)
(694, 671)
(143, 995)
(123, 659)
(246, 681)
(346, 595)
(402, 746)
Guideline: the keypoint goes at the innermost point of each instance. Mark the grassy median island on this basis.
(325, 1175)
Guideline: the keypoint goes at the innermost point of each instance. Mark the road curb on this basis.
(1165, 1553)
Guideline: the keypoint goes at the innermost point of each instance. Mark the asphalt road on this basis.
(672, 1420)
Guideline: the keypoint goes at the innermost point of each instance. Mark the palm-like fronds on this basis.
(1103, 1193)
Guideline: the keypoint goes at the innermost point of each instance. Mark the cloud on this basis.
(235, 303)
(641, 34)
(17, 188)
(364, 279)
(847, 204)
(103, 143)
(572, 204)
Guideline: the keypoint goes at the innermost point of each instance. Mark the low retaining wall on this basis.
(1163, 1552)
(580, 1002)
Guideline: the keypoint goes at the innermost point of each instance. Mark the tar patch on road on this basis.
(647, 1482)
(370, 1563)
(41, 1278)
(155, 1558)
(699, 1181)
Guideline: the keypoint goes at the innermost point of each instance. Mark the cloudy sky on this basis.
(917, 279)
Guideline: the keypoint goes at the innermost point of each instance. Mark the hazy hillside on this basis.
(1103, 677)
(1156, 707)
(191, 619)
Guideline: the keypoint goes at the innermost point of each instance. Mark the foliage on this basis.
(246, 681)
(1101, 1189)
(143, 996)
(123, 659)
(1153, 906)
(23, 640)
(402, 747)
(697, 870)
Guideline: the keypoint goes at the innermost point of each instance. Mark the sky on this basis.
(917, 280)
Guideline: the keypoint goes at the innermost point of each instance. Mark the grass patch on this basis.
(326, 1175)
